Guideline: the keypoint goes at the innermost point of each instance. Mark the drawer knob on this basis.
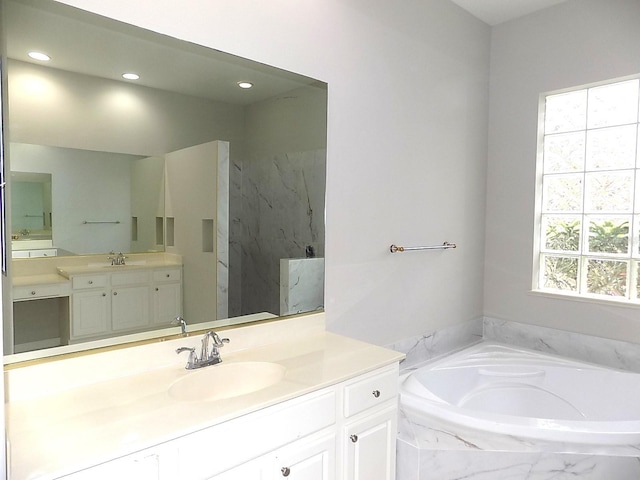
(115, 293)
(354, 438)
(104, 294)
(33, 292)
(168, 275)
(157, 289)
(376, 393)
(285, 471)
(90, 282)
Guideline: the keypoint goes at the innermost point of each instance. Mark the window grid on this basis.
(600, 261)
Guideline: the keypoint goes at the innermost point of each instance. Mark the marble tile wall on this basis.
(277, 211)
(301, 285)
(612, 353)
(422, 348)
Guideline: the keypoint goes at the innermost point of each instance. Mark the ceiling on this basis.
(80, 42)
(494, 12)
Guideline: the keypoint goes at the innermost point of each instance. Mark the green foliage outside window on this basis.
(604, 277)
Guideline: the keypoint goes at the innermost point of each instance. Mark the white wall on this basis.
(574, 43)
(85, 185)
(106, 115)
(407, 141)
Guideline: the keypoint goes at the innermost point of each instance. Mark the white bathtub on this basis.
(519, 392)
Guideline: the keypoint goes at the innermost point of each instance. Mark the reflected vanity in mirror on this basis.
(213, 193)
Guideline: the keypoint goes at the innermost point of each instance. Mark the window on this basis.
(588, 215)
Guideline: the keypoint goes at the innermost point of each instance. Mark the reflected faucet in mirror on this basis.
(183, 325)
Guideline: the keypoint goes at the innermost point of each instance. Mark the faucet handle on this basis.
(193, 359)
(217, 341)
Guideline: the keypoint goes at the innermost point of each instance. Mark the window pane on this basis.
(614, 104)
(607, 277)
(561, 232)
(609, 192)
(562, 193)
(608, 234)
(560, 273)
(564, 152)
(565, 112)
(611, 148)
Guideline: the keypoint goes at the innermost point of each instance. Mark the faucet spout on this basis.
(183, 324)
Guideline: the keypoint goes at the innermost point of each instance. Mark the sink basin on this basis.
(226, 380)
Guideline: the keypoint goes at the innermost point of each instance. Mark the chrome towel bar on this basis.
(86, 222)
(444, 246)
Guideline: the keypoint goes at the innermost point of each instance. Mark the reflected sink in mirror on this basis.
(226, 380)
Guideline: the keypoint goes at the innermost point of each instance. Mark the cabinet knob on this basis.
(33, 292)
(104, 294)
(90, 282)
(285, 471)
(157, 289)
(354, 438)
(115, 293)
(376, 393)
(168, 275)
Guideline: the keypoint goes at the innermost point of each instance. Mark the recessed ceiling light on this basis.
(43, 57)
(131, 76)
(245, 84)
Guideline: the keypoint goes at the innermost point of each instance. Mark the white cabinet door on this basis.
(91, 313)
(370, 446)
(247, 471)
(167, 303)
(306, 460)
(129, 307)
(157, 463)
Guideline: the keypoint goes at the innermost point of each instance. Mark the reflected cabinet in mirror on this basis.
(135, 199)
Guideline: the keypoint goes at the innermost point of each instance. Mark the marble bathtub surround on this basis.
(423, 348)
(428, 449)
(588, 348)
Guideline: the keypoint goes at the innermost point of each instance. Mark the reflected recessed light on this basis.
(245, 84)
(131, 76)
(43, 57)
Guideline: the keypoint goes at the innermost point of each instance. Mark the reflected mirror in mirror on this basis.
(31, 212)
(179, 164)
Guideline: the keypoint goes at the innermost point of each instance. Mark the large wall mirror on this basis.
(88, 150)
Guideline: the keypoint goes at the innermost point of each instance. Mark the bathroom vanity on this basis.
(85, 297)
(289, 400)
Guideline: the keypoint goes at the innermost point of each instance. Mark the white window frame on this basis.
(632, 257)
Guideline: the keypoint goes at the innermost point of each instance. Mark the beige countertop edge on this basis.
(78, 270)
(65, 438)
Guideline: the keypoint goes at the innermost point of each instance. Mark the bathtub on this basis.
(527, 394)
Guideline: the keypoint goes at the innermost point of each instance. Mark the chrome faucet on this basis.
(183, 325)
(209, 351)
(116, 259)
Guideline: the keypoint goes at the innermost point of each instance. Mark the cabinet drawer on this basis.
(135, 277)
(167, 275)
(255, 434)
(39, 291)
(89, 281)
(48, 252)
(371, 391)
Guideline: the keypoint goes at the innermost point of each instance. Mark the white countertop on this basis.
(55, 434)
(45, 278)
(68, 271)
